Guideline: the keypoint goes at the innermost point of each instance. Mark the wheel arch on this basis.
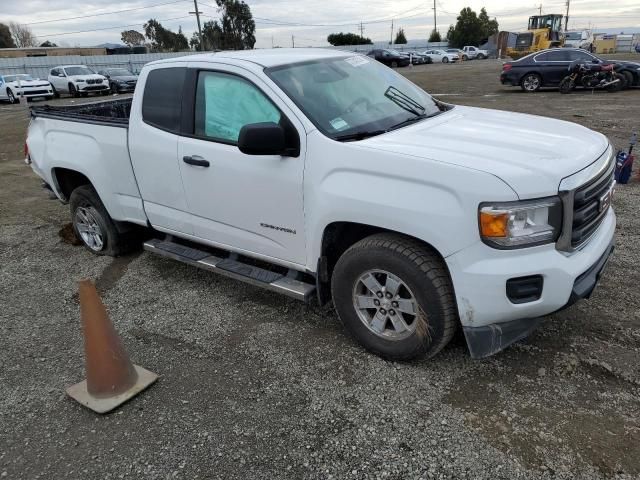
(67, 180)
(337, 237)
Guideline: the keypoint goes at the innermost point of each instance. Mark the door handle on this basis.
(196, 160)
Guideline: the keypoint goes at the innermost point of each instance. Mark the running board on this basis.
(232, 268)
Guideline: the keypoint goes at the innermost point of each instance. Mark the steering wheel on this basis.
(357, 102)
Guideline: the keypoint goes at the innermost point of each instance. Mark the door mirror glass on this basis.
(265, 138)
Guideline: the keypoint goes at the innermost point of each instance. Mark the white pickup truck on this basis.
(324, 174)
(474, 53)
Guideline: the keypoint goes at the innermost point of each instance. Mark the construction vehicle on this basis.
(544, 31)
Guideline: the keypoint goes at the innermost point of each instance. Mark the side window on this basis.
(558, 56)
(162, 100)
(580, 56)
(225, 103)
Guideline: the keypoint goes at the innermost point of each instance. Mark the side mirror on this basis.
(262, 139)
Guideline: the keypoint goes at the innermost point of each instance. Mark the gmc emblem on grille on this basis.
(604, 201)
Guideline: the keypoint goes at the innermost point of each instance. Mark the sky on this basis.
(307, 21)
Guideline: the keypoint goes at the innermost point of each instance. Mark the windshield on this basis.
(14, 78)
(119, 72)
(78, 71)
(574, 36)
(351, 98)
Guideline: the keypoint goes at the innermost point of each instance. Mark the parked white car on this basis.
(441, 56)
(12, 86)
(77, 80)
(325, 175)
(472, 53)
(579, 39)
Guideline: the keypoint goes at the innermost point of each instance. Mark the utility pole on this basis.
(566, 18)
(391, 42)
(540, 10)
(271, 41)
(197, 14)
(293, 42)
(361, 28)
(435, 17)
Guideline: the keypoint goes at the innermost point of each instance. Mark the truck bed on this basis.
(112, 112)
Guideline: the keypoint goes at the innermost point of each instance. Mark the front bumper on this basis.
(480, 273)
(34, 92)
(83, 87)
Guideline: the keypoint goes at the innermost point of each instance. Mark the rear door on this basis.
(247, 203)
(553, 66)
(153, 144)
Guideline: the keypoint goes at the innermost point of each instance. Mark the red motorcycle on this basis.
(592, 76)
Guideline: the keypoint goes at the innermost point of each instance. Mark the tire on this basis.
(56, 94)
(628, 77)
(392, 258)
(531, 82)
(465, 58)
(105, 92)
(49, 97)
(566, 85)
(73, 91)
(616, 87)
(11, 97)
(481, 56)
(445, 59)
(394, 64)
(87, 210)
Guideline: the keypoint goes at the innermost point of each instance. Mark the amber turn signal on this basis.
(494, 224)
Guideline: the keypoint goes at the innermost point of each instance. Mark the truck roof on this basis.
(271, 57)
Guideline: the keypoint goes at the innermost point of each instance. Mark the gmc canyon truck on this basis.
(326, 175)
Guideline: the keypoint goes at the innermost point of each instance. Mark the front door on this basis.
(247, 203)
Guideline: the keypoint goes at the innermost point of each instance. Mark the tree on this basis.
(471, 29)
(211, 34)
(6, 40)
(22, 35)
(338, 39)
(489, 27)
(400, 37)
(236, 28)
(435, 36)
(48, 44)
(164, 40)
(132, 38)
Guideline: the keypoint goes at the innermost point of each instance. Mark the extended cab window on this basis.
(162, 100)
(225, 103)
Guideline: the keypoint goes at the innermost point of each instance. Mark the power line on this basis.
(106, 13)
(110, 28)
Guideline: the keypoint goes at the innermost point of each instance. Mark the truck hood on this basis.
(532, 154)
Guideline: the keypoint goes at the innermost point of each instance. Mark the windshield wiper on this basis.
(404, 101)
(360, 135)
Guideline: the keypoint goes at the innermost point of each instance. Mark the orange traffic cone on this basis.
(111, 377)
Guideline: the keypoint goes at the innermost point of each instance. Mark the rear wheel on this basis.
(619, 85)
(395, 297)
(445, 59)
(95, 228)
(531, 82)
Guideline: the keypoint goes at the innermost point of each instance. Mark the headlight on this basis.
(520, 224)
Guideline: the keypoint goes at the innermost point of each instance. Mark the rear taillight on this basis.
(506, 67)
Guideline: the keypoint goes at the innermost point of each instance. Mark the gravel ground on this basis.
(254, 385)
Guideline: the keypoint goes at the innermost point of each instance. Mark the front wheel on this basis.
(445, 59)
(395, 297)
(465, 58)
(11, 97)
(567, 85)
(56, 94)
(73, 91)
(95, 228)
(481, 56)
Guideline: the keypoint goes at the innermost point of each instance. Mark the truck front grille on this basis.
(585, 208)
(590, 206)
